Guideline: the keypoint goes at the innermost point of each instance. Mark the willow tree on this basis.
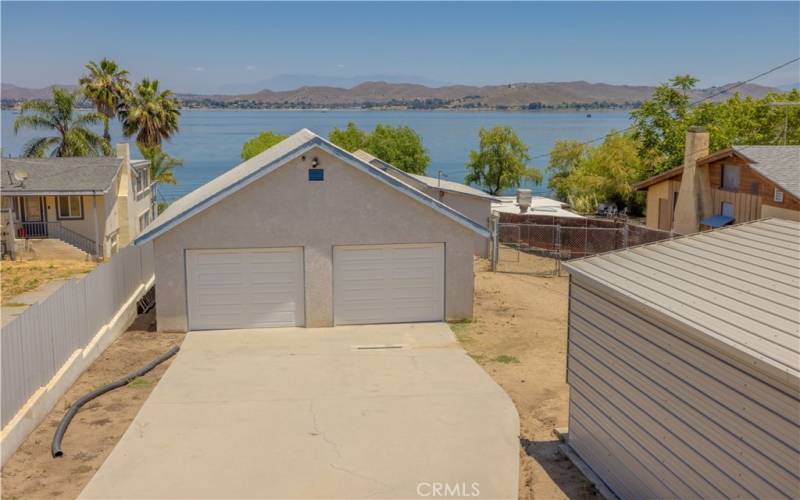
(500, 162)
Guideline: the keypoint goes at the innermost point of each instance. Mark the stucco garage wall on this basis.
(284, 209)
(476, 209)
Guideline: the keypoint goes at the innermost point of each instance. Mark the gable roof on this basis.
(738, 287)
(55, 176)
(434, 182)
(779, 164)
(273, 158)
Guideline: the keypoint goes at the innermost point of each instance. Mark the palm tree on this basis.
(105, 85)
(149, 114)
(684, 82)
(161, 164)
(59, 115)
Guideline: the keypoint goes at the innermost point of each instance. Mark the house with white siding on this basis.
(97, 204)
(684, 365)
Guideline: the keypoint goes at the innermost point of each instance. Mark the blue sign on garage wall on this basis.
(316, 174)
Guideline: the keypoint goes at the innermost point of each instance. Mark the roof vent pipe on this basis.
(524, 198)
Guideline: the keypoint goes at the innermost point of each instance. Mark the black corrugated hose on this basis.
(62, 427)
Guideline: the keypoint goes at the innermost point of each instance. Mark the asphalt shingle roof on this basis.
(59, 175)
(780, 164)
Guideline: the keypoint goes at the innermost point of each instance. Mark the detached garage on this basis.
(307, 234)
(684, 365)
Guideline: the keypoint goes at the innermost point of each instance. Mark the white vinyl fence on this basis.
(39, 341)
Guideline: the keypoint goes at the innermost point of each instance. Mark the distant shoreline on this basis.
(384, 110)
(389, 110)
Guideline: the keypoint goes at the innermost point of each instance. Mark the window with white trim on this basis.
(144, 220)
(778, 196)
(141, 180)
(70, 207)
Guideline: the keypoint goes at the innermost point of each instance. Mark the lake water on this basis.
(209, 142)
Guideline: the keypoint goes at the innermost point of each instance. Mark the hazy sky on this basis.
(199, 47)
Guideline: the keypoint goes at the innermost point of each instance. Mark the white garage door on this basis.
(245, 288)
(388, 283)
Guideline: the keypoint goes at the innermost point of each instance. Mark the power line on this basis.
(695, 103)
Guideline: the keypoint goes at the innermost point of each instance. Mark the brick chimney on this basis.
(694, 197)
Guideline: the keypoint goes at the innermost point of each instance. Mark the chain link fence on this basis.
(539, 248)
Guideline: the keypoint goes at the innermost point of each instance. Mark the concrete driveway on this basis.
(319, 413)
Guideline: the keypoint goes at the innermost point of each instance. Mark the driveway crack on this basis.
(317, 432)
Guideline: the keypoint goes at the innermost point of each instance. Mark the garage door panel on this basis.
(388, 283)
(247, 288)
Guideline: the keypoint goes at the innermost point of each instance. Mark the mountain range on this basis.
(381, 94)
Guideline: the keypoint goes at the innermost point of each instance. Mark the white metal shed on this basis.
(684, 364)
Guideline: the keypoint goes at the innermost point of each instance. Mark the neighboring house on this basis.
(306, 233)
(737, 184)
(472, 202)
(538, 206)
(682, 363)
(98, 204)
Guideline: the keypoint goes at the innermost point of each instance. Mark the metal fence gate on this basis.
(538, 249)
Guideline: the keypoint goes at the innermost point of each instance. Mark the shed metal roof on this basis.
(738, 286)
(271, 159)
(69, 175)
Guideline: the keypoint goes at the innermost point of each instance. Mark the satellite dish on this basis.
(20, 176)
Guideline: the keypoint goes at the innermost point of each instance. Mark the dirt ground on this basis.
(31, 473)
(519, 336)
(20, 276)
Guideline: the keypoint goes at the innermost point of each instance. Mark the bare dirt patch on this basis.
(519, 336)
(21, 276)
(31, 473)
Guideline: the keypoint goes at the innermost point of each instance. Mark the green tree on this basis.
(259, 143)
(74, 137)
(749, 120)
(602, 173)
(161, 164)
(564, 159)
(351, 138)
(150, 114)
(661, 122)
(400, 146)
(660, 125)
(684, 82)
(106, 86)
(500, 162)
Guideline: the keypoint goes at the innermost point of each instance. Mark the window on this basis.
(778, 197)
(144, 220)
(730, 177)
(70, 207)
(140, 180)
(727, 209)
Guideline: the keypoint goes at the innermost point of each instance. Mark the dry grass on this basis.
(18, 277)
(519, 336)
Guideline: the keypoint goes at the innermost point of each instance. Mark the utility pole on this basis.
(787, 105)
